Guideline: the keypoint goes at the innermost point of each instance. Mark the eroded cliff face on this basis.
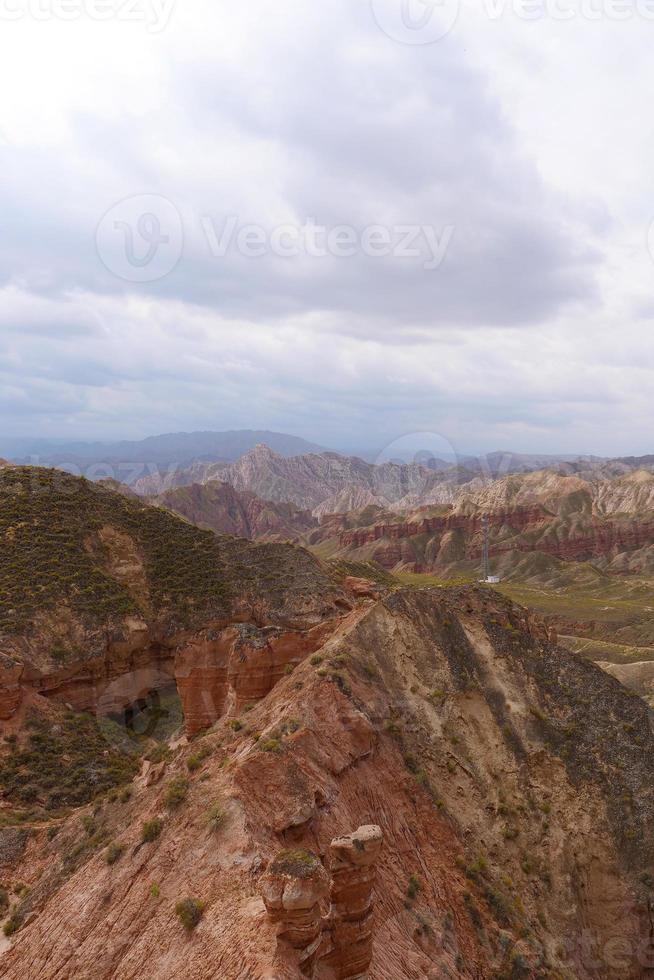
(433, 543)
(511, 781)
(104, 601)
(236, 667)
(324, 921)
(222, 508)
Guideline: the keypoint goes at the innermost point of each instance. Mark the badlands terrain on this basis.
(265, 723)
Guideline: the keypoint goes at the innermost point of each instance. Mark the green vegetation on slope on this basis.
(65, 763)
(52, 553)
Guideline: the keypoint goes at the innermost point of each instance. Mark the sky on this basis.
(353, 222)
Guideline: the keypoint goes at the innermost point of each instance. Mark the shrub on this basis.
(236, 725)
(316, 660)
(189, 911)
(270, 745)
(341, 682)
(414, 887)
(151, 830)
(473, 911)
(296, 862)
(155, 891)
(4, 899)
(161, 753)
(176, 792)
(216, 816)
(12, 925)
(498, 906)
(476, 869)
(194, 761)
(114, 852)
(88, 824)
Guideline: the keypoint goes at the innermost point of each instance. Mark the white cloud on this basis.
(531, 332)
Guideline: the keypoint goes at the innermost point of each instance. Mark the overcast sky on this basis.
(448, 233)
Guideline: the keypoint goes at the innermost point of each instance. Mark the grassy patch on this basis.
(176, 792)
(67, 763)
(151, 830)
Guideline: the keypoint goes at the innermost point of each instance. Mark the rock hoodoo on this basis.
(316, 937)
(295, 891)
(352, 863)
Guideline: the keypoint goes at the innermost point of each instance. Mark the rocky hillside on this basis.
(565, 518)
(308, 481)
(79, 552)
(100, 594)
(219, 507)
(436, 755)
(412, 518)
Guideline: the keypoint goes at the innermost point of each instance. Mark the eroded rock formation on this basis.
(352, 862)
(329, 929)
(227, 670)
(457, 537)
(295, 891)
(104, 601)
(512, 781)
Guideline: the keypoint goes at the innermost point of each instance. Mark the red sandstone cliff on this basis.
(512, 784)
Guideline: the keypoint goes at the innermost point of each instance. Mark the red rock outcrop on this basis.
(362, 588)
(224, 509)
(335, 940)
(295, 891)
(352, 864)
(527, 530)
(11, 693)
(512, 845)
(240, 665)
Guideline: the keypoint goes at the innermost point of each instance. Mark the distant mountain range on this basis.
(128, 461)
(410, 518)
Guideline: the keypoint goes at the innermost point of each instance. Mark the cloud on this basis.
(321, 118)
(275, 114)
